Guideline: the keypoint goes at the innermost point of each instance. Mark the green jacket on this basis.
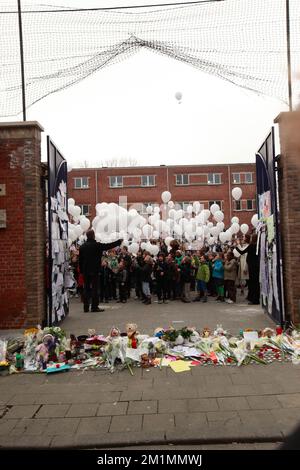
(203, 273)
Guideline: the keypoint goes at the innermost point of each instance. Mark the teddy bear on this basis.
(132, 333)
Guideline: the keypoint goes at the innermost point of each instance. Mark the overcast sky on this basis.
(129, 110)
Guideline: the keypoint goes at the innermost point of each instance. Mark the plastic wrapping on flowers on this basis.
(208, 347)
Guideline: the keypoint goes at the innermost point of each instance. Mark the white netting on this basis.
(241, 41)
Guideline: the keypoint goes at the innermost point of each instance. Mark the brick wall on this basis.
(22, 242)
(165, 179)
(289, 196)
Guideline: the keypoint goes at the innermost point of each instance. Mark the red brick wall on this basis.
(197, 190)
(289, 196)
(22, 242)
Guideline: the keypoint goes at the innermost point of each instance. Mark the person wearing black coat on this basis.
(253, 267)
(90, 254)
(160, 272)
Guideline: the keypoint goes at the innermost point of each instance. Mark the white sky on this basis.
(129, 110)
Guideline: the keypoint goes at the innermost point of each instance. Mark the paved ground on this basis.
(210, 406)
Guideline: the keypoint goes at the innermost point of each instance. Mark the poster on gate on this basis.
(264, 205)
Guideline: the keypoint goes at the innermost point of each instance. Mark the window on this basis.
(210, 203)
(237, 205)
(214, 178)
(250, 206)
(81, 183)
(248, 178)
(85, 209)
(116, 181)
(182, 179)
(236, 178)
(148, 180)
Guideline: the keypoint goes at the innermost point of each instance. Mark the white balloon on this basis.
(71, 201)
(134, 248)
(178, 230)
(254, 220)
(147, 231)
(71, 210)
(171, 205)
(172, 213)
(228, 234)
(214, 208)
(168, 240)
(235, 220)
(179, 214)
(155, 250)
(76, 211)
(236, 193)
(166, 196)
(223, 237)
(69, 167)
(189, 209)
(85, 224)
(235, 228)
(156, 210)
(210, 224)
(219, 216)
(214, 231)
(211, 241)
(149, 209)
(144, 246)
(155, 234)
(178, 95)
(221, 226)
(199, 231)
(196, 206)
(206, 214)
(244, 228)
(132, 212)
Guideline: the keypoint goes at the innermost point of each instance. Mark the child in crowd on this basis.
(202, 278)
(122, 279)
(230, 274)
(218, 276)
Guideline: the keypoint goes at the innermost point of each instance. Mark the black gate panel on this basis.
(268, 229)
(58, 253)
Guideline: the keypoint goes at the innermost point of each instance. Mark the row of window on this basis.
(242, 205)
(180, 180)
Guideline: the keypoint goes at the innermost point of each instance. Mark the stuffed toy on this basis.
(206, 332)
(114, 333)
(132, 333)
(43, 351)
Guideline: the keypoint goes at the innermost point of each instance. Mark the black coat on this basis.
(146, 272)
(90, 254)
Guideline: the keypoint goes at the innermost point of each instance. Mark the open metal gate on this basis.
(58, 253)
(269, 230)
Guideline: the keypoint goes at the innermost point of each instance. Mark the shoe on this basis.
(160, 302)
(86, 310)
(196, 299)
(124, 301)
(229, 301)
(165, 301)
(98, 309)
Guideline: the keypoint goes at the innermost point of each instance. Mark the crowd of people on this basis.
(107, 272)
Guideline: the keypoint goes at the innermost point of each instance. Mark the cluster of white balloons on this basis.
(80, 223)
(196, 225)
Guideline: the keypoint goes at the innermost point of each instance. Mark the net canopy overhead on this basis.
(241, 41)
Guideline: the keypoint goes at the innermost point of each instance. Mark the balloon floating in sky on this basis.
(178, 96)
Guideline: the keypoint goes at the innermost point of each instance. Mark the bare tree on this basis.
(119, 162)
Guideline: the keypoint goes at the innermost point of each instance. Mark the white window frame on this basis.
(248, 173)
(148, 183)
(253, 205)
(80, 179)
(235, 204)
(214, 178)
(239, 178)
(181, 177)
(88, 208)
(118, 180)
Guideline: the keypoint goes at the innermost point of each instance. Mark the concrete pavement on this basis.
(207, 406)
